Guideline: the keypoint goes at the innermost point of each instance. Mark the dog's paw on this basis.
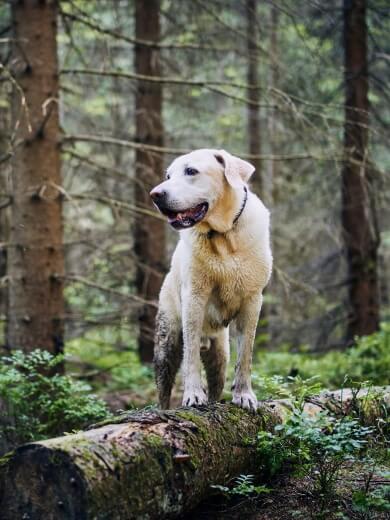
(194, 397)
(245, 399)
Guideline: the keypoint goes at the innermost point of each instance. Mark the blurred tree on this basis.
(273, 81)
(254, 121)
(254, 131)
(35, 260)
(358, 210)
(203, 56)
(149, 233)
(5, 151)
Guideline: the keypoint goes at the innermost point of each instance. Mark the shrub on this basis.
(243, 486)
(368, 359)
(314, 446)
(367, 500)
(35, 405)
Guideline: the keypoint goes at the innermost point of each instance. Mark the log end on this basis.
(26, 493)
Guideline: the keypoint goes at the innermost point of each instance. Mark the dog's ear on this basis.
(237, 171)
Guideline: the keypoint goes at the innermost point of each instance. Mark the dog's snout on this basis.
(158, 196)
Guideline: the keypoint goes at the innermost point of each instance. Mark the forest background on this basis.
(97, 97)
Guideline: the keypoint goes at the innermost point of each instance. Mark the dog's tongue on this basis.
(188, 217)
(183, 215)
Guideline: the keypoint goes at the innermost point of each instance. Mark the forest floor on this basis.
(360, 492)
(293, 498)
(130, 385)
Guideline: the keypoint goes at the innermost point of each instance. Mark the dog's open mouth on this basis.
(186, 218)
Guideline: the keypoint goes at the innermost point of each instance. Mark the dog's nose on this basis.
(158, 195)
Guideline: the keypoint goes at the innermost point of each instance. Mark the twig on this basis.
(161, 79)
(94, 285)
(116, 204)
(144, 43)
(329, 156)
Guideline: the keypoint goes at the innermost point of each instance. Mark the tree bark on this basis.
(358, 210)
(5, 150)
(254, 131)
(149, 233)
(35, 257)
(253, 122)
(273, 83)
(149, 464)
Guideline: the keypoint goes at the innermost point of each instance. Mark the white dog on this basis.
(219, 269)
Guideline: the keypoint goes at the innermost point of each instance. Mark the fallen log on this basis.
(148, 464)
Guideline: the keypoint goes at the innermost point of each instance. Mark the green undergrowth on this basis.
(367, 360)
(276, 373)
(322, 466)
(36, 404)
(109, 366)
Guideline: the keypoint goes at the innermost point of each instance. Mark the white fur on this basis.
(217, 279)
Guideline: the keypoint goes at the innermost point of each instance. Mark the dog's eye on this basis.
(167, 176)
(190, 171)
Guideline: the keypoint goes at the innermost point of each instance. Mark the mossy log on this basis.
(147, 464)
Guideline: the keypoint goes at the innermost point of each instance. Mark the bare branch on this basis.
(160, 79)
(330, 155)
(121, 142)
(89, 283)
(118, 204)
(5, 157)
(145, 43)
(100, 167)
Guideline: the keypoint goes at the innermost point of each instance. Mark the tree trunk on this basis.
(148, 464)
(5, 150)
(149, 232)
(358, 211)
(273, 82)
(35, 258)
(253, 124)
(254, 137)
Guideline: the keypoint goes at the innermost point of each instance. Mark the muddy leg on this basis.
(215, 360)
(168, 354)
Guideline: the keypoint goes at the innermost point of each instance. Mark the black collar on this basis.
(213, 232)
(242, 207)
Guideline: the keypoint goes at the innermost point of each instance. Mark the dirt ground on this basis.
(293, 499)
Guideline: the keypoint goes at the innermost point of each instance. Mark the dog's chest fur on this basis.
(233, 271)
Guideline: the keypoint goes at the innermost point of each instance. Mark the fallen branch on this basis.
(149, 464)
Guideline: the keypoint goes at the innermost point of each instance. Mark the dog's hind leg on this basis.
(168, 354)
(215, 360)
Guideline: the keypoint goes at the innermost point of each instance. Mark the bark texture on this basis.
(35, 258)
(270, 192)
(358, 210)
(253, 95)
(148, 464)
(149, 237)
(253, 122)
(5, 151)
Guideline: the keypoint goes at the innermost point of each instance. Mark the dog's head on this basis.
(196, 183)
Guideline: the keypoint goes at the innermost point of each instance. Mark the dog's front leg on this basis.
(193, 308)
(247, 319)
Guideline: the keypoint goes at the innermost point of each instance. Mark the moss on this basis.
(140, 470)
(153, 440)
(6, 458)
(217, 426)
(191, 416)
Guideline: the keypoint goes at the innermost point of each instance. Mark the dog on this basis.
(219, 269)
